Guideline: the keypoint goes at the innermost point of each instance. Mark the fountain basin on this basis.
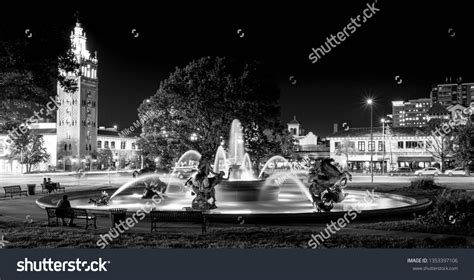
(246, 190)
(290, 208)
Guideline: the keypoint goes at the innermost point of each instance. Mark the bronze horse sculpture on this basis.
(326, 186)
(204, 187)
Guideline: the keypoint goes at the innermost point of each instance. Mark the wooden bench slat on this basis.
(12, 190)
(177, 216)
(56, 189)
(77, 213)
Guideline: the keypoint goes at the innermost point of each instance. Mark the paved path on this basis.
(121, 178)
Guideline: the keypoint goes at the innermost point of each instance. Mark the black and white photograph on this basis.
(238, 125)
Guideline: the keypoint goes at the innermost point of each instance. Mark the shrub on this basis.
(451, 207)
(424, 184)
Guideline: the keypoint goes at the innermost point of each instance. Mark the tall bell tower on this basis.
(77, 112)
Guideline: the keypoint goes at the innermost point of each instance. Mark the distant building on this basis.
(308, 145)
(437, 114)
(453, 93)
(77, 112)
(391, 148)
(74, 140)
(411, 113)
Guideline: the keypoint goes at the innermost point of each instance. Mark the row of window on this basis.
(88, 103)
(123, 145)
(74, 122)
(380, 145)
(69, 147)
(89, 72)
(411, 144)
(361, 145)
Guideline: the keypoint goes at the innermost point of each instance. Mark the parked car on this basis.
(458, 171)
(146, 170)
(428, 171)
(401, 171)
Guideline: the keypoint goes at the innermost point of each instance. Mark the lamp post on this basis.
(21, 160)
(369, 102)
(383, 147)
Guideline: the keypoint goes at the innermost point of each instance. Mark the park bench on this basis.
(78, 214)
(56, 189)
(12, 190)
(178, 216)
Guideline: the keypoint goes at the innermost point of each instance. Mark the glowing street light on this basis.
(371, 143)
(383, 121)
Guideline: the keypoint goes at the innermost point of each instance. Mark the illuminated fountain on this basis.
(277, 190)
(242, 185)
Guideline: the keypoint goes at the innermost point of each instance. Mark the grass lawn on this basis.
(35, 235)
(406, 233)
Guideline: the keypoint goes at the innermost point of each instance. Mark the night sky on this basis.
(412, 41)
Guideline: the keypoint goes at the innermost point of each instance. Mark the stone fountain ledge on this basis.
(418, 205)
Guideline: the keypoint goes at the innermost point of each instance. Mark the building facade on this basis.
(308, 145)
(390, 148)
(453, 93)
(77, 113)
(74, 141)
(411, 113)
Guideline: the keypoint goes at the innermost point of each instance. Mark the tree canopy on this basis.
(31, 67)
(29, 149)
(195, 106)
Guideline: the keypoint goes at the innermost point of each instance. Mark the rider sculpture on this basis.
(102, 200)
(155, 187)
(204, 187)
(326, 186)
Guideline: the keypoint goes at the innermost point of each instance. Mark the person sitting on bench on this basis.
(50, 186)
(64, 210)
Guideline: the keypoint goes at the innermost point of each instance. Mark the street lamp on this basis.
(371, 147)
(383, 147)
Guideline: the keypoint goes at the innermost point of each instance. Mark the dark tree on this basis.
(195, 106)
(463, 145)
(30, 69)
(104, 157)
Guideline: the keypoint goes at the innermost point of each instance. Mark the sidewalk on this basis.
(66, 173)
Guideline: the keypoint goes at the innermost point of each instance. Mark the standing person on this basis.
(64, 210)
